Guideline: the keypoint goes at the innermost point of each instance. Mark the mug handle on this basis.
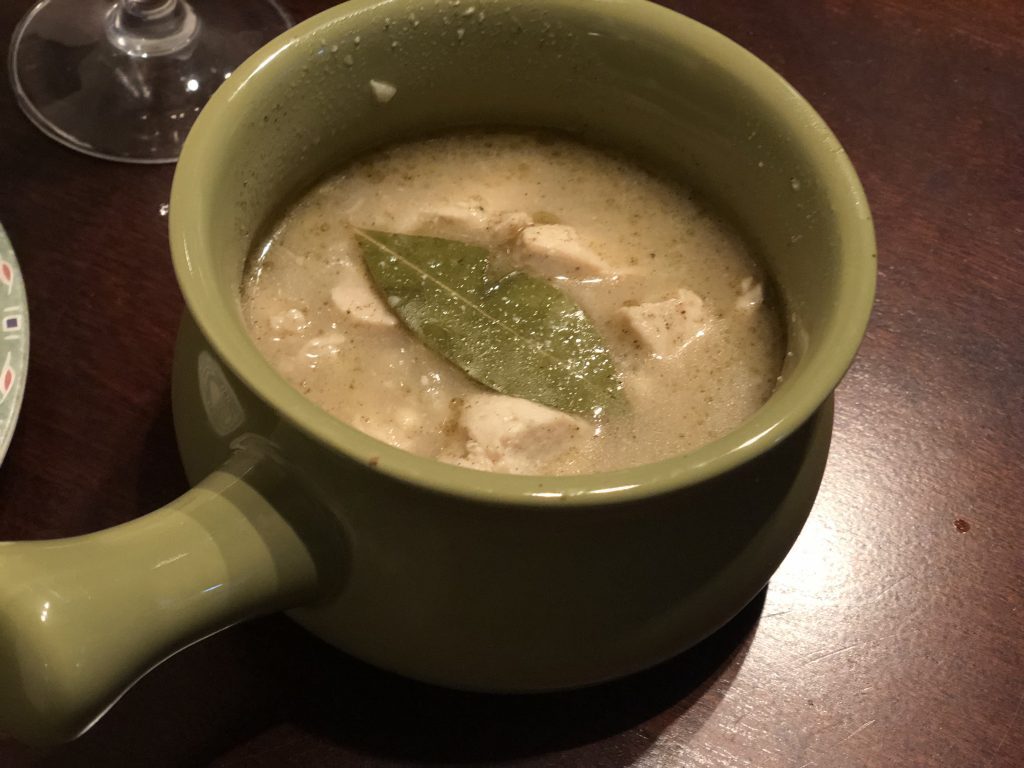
(83, 618)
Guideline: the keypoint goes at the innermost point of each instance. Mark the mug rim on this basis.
(775, 420)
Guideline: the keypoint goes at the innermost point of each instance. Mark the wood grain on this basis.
(893, 635)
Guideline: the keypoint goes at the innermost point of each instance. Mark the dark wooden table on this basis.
(893, 635)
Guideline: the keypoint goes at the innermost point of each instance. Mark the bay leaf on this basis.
(512, 332)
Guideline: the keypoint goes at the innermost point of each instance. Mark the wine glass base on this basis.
(86, 92)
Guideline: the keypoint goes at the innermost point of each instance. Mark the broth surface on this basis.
(673, 291)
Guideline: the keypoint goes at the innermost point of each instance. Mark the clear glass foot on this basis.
(125, 80)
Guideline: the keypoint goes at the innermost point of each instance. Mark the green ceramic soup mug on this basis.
(448, 575)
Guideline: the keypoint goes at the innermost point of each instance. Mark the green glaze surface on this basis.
(497, 597)
(462, 578)
(529, 583)
(82, 618)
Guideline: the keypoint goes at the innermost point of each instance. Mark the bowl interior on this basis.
(666, 90)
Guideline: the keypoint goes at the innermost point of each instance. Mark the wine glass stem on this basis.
(148, 8)
(147, 28)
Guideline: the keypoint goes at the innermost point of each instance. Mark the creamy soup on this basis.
(673, 291)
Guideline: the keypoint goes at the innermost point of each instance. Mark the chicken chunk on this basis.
(356, 297)
(402, 427)
(751, 294)
(471, 220)
(510, 434)
(322, 347)
(289, 321)
(557, 250)
(666, 327)
(445, 219)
